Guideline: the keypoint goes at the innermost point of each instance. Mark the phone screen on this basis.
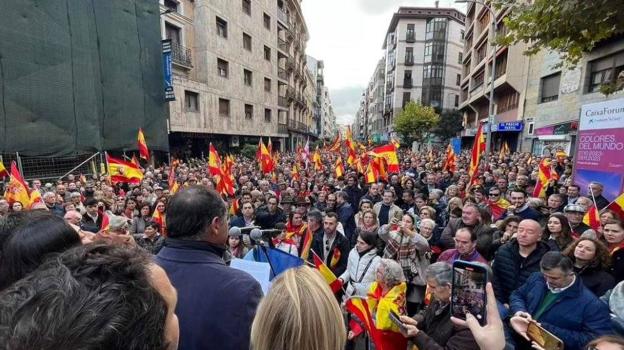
(543, 338)
(468, 292)
(394, 317)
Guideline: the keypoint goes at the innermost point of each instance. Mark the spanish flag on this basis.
(370, 175)
(331, 279)
(295, 173)
(504, 151)
(105, 225)
(340, 170)
(592, 218)
(388, 152)
(450, 164)
(143, 150)
(498, 208)
(350, 147)
(266, 162)
(477, 151)
(335, 147)
(358, 306)
(3, 171)
(214, 161)
(545, 174)
(135, 161)
(307, 243)
(122, 171)
(160, 219)
(617, 206)
(316, 159)
(35, 198)
(17, 190)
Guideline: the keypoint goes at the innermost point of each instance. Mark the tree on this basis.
(570, 27)
(249, 150)
(450, 124)
(416, 121)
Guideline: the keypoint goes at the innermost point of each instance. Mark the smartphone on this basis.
(468, 290)
(396, 319)
(543, 338)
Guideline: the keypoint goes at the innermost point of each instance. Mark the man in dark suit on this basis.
(331, 245)
(216, 303)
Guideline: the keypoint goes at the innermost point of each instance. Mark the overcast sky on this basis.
(347, 35)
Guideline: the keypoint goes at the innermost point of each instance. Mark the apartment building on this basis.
(376, 90)
(555, 95)
(423, 49)
(328, 116)
(238, 73)
(510, 79)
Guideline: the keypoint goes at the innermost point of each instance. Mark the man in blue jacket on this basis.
(557, 299)
(216, 304)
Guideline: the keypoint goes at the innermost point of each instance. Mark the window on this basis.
(191, 101)
(267, 84)
(224, 107)
(407, 79)
(172, 32)
(247, 7)
(171, 5)
(248, 77)
(407, 96)
(410, 35)
(460, 57)
(222, 67)
(606, 71)
(550, 88)
(456, 100)
(248, 111)
(267, 115)
(267, 21)
(458, 80)
(247, 41)
(222, 27)
(267, 53)
(409, 55)
(462, 35)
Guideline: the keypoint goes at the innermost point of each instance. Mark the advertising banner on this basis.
(167, 57)
(599, 147)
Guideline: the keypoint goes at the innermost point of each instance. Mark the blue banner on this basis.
(166, 50)
(456, 144)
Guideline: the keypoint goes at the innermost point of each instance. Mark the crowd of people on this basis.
(136, 266)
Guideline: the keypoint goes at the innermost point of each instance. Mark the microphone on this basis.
(256, 235)
(234, 231)
(262, 236)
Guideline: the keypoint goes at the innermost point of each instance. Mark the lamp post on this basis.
(488, 135)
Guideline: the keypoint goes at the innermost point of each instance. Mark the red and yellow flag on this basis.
(617, 206)
(123, 171)
(335, 146)
(105, 225)
(159, 217)
(143, 150)
(339, 168)
(359, 307)
(295, 173)
(378, 166)
(450, 164)
(266, 162)
(3, 171)
(498, 208)
(316, 160)
(214, 161)
(352, 155)
(370, 174)
(504, 151)
(35, 198)
(388, 152)
(331, 279)
(307, 243)
(17, 189)
(592, 218)
(477, 151)
(545, 174)
(135, 161)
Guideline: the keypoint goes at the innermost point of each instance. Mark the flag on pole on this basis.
(504, 151)
(307, 243)
(295, 173)
(477, 151)
(339, 168)
(214, 161)
(335, 146)
(266, 162)
(388, 152)
(617, 206)
(370, 175)
(135, 161)
(105, 225)
(316, 160)
(123, 171)
(351, 154)
(143, 150)
(331, 279)
(17, 189)
(592, 218)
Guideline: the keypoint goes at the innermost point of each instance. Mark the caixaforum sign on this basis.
(599, 147)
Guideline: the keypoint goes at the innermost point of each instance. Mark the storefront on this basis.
(553, 137)
(506, 132)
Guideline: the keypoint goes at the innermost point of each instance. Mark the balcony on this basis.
(282, 128)
(407, 83)
(283, 44)
(282, 73)
(409, 60)
(290, 64)
(180, 55)
(282, 101)
(283, 17)
(297, 126)
(410, 37)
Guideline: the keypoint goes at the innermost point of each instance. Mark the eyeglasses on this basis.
(494, 194)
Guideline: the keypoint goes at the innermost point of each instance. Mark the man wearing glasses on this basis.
(497, 203)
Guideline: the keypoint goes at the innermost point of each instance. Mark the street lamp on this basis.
(488, 135)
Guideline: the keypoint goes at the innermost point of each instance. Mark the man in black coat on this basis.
(354, 192)
(471, 218)
(216, 304)
(346, 216)
(518, 259)
(331, 246)
(267, 217)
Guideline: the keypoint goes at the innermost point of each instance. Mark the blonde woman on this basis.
(299, 312)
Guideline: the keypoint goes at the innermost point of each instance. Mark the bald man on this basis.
(518, 259)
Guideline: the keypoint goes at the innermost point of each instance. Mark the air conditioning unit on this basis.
(234, 141)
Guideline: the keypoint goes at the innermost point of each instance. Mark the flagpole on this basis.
(593, 198)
